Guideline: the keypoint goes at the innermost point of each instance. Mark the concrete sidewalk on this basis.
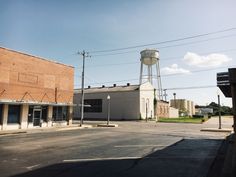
(75, 125)
(224, 163)
(212, 125)
(45, 129)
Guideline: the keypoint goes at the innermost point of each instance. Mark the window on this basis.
(143, 105)
(147, 102)
(95, 105)
(30, 114)
(44, 113)
(13, 114)
(1, 107)
(59, 113)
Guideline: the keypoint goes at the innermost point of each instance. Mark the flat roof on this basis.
(53, 61)
(109, 89)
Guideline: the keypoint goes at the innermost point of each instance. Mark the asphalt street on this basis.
(132, 149)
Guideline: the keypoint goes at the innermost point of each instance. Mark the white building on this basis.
(129, 102)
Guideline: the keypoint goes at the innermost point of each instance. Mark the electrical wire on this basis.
(191, 87)
(163, 42)
(162, 59)
(166, 75)
(169, 46)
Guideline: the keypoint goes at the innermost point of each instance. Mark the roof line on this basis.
(107, 87)
(49, 60)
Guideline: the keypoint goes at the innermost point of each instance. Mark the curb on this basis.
(217, 130)
(109, 125)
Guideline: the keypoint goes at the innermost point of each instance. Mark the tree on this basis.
(225, 110)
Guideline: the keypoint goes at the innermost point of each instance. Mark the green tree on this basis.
(225, 110)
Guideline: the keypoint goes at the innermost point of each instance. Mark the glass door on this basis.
(37, 113)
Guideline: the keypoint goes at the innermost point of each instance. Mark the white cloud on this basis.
(174, 69)
(212, 60)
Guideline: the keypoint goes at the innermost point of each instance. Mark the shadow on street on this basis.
(186, 158)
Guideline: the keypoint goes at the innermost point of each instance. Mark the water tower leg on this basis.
(159, 85)
(149, 74)
(159, 74)
(141, 73)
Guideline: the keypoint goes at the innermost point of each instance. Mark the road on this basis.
(133, 149)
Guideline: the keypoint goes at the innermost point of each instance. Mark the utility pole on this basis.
(84, 55)
(219, 107)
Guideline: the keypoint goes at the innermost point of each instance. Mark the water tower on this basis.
(149, 62)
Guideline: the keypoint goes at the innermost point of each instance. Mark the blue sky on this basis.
(57, 29)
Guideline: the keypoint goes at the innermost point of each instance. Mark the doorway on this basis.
(37, 114)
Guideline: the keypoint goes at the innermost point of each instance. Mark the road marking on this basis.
(100, 159)
(140, 145)
(137, 158)
(31, 167)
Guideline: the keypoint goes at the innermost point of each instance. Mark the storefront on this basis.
(36, 92)
(14, 116)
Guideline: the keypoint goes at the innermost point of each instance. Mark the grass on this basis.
(183, 120)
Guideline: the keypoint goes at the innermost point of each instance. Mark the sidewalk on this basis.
(45, 129)
(74, 125)
(212, 124)
(224, 163)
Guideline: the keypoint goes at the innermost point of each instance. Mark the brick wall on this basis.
(162, 109)
(29, 78)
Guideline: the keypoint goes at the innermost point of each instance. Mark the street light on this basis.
(219, 107)
(108, 109)
(175, 100)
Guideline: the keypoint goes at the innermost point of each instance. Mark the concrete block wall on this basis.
(123, 105)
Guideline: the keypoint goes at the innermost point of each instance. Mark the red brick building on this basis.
(162, 109)
(34, 91)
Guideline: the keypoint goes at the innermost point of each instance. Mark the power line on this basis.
(197, 71)
(169, 46)
(192, 87)
(162, 59)
(166, 75)
(163, 42)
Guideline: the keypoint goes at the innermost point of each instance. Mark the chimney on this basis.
(114, 85)
(128, 84)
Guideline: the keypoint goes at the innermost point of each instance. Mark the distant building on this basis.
(163, 110)
(128, 102)
(203, 110)
(186, 107)
(34, 92)
(173, 112)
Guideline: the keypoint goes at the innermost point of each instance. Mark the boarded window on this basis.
(93, 105)
(13, 114)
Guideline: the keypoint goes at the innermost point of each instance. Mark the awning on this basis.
(5, 101)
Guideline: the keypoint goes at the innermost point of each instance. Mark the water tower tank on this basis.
(149, 56)
(149, 62)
